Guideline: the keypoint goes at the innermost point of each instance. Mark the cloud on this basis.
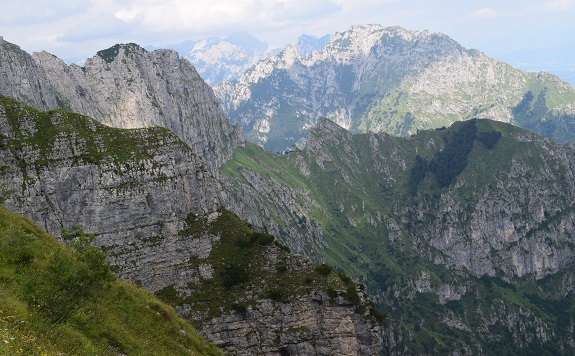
(34, 11)
(203, 16)
(302, 10)
(104, 25)
(485, 14)
(557, 5)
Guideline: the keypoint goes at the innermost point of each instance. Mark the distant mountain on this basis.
(373, 78)
(219, 59)
(307, 44)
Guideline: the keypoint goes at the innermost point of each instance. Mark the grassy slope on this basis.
(118, 318)
(385, 264)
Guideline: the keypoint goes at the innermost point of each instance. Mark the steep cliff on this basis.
(22, 78)
(126, 87)
(374, 78)
(463, 235)
(270, 301)
(155, 211)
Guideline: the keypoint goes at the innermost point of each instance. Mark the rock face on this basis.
(139, 191)
(22, 78)
(133, 188)
(372, 78)
(322, 327)
(127, 87)
(467, 241)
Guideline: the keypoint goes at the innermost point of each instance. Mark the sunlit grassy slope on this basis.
(106, 316)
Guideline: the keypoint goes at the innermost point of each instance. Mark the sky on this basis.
(528, 34)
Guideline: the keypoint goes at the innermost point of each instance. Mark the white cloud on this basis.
(557, 5)
(209, 15)
(105, 25)
(33, 11)
(485, 14)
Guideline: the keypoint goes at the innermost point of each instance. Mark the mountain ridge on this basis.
(484, 251)
(374, 78)
(126, 86)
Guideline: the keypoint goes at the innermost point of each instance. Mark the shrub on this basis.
(233, 275)
(323, 269)
(275, 294)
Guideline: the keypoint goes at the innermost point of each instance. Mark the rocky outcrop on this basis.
(314, 324)
(127, 87)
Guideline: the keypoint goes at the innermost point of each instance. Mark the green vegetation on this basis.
(534, 114)
(447, 164)
(245, 262)
(344, 183)
(57, 299)
(102, 144)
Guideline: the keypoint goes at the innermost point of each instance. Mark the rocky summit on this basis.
(389, 79)
(126, 86)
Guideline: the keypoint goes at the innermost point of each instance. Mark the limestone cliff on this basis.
(126, 86)
(22, 78)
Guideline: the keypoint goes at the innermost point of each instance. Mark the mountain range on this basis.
(154, 204)
(375, 78)
(221, 59)
(460, 231)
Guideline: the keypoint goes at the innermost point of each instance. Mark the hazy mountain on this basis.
(306, 44)
(219, 59)
(372, 78)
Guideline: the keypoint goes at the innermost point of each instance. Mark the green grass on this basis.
(116, 317)
(100, 143)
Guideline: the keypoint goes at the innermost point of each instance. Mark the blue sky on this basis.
(529, 34)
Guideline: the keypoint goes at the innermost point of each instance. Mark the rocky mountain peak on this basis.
(375, 78)
(126, 86)
(307, 44)
(110, 54)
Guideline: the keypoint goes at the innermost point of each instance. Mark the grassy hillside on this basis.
(58, 299)
(384, 203)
